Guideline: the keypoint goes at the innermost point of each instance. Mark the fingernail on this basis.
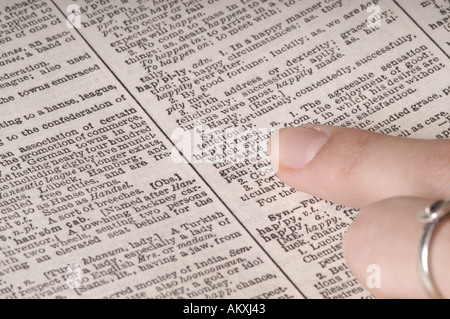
(293, 148)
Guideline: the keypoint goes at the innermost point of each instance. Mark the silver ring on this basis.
(431, 216)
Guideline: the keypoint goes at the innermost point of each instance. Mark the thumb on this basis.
(385, 237)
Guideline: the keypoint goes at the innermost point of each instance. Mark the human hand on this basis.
(391, 180)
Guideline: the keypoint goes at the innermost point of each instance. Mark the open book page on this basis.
(133, 159)
(432, 17)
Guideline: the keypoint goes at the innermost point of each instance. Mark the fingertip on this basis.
(356, 167)
(293, 148)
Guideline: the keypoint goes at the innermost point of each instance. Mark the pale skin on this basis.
(391, 180)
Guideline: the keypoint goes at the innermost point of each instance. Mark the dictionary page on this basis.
(133, 139)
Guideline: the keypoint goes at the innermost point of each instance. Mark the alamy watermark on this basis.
(373, 280)
(74, 277)
(74, 18)
(373, 21)
(232, 145)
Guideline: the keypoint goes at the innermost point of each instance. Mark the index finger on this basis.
(356, 167)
